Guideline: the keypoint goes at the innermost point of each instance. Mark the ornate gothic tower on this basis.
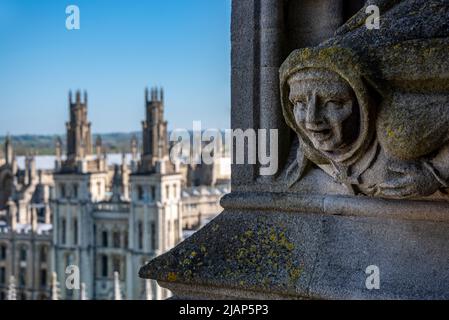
(79, 143)
(80, 182)
(155, 219)
(154, 131)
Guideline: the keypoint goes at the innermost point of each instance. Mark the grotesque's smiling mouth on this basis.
(320, 134)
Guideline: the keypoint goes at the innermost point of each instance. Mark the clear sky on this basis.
(122, 46)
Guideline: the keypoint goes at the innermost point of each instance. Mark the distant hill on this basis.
(45, 144)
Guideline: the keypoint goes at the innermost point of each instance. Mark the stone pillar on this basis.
(362, 195)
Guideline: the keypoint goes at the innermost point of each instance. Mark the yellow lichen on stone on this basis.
(171, 277)
(295, 273)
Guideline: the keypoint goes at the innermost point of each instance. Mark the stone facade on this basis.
(104, 234)
(99, 218)
(201, 204)
(25, 227)
(25, 252)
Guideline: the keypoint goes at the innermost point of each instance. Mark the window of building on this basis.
(153, 235)
(63, 230)
(2, 252)
(116, 263)
(139, 193)
(104, 266)
(116, 239)
(75, 191)
(175, 191)
(2, 295)
(2, 276)
(140, 235)
(62, 190)
(167, 191)
(104, 238)
(75, 231)
(43, 254)
(22, 276)
(23, 253)
(153, 193)
(43, 278)
(125, 239)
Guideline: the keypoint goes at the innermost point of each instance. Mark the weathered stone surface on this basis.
(293, 255)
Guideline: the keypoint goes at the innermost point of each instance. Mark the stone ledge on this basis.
(357, 206)
(285, 255)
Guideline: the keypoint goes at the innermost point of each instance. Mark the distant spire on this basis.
(154, 94)
(54, 286)
(146, 94)
(78, 96)
(8, 149)
(12, 294)
(162, 94)
(134, 147)
(98, 146)
(116, 185)
(70, 97)
(58, 148)
(85, 96)
(117, 292)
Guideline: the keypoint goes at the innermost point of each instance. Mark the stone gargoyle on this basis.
(371, 107)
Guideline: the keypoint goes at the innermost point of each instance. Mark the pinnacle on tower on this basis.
(8, 150)
(79, 142)
(98, 145)
(78, 97)
(154, 132)
(58, 147)
(117, 184)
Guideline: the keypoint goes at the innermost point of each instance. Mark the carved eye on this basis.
(335, 104)
(299, 104)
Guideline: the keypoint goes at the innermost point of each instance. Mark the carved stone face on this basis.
(325, 108)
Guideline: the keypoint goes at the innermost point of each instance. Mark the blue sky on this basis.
(122, 46)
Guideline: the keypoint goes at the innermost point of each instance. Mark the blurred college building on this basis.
(105, 218)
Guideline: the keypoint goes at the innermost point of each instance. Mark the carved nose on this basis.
(312, 116)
